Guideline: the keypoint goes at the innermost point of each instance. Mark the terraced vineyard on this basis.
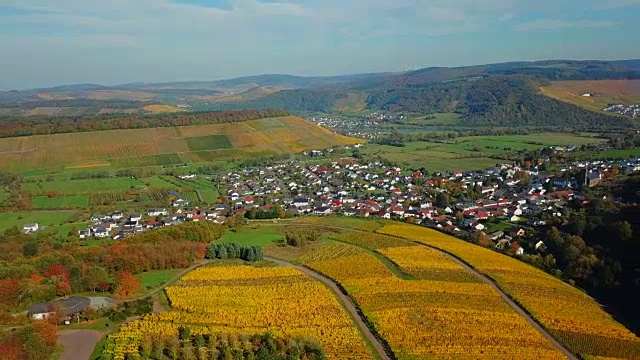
(449, 315)
(165, 146)
(241, 300)
(571, 316)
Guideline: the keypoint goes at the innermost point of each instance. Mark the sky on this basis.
(54, 42)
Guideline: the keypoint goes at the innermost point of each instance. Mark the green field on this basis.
(438, 119)
(211, 142)
(613, 154)
(142, 161)
(209, 196)
(72, 201)
(83, 186)
(261, 235)
(158, 182)
(473, 152)
(43, 218)
(153, 279)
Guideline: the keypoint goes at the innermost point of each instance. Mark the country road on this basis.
(78, 344)
(516, 307)
(346, 302)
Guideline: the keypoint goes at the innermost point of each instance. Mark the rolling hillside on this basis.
(603, 92)
(168, 145)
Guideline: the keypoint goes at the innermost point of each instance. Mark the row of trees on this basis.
(234, 251)
(222, 346)
(276, 212)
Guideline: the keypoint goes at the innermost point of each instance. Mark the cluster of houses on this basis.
(117, 225)
(364, 127)
(629, 110)
(351, 188)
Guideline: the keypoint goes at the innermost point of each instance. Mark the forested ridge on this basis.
(11, 126)
(487, 95)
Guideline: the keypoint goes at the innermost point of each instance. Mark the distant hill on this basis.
(500, 94)
(482, 95)
(632, 64)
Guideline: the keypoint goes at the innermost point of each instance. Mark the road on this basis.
(346, 302)
(517, 308)
(78, 344)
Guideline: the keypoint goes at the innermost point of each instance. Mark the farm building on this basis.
(29, 228)
(63, 308)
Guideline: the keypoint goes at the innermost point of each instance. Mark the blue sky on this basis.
(52, 42)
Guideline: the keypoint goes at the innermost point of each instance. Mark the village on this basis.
(502, 202)
(506, 197)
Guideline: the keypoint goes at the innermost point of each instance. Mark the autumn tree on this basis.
(94, 277)
(127, 286)
(9, 292)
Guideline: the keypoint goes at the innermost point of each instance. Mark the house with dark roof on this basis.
(63, 308)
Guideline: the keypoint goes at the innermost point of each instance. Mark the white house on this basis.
(135, 217)
(117, 215)
(322, 210)
(29, 228)
(85, 233)
(180, 203)
(188, 177)
(101, 233)
(157, 212)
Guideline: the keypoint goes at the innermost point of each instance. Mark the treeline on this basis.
(234, 251)
(11, 126)
(595, 244)
(276, 212)
(36, 270)
(185, 345)
(16, 200)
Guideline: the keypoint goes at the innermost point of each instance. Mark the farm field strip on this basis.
(574, 319)
(163, 146)
(428, 318)
(248, 300)
(603, 92)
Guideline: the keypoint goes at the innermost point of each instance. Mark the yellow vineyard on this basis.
(162, 108)
(249, 300)
(569, 315)
(164, 146)
(430, 317)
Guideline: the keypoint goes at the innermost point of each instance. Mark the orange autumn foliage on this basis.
(128, 285)
(9, 292)
(36, 278)
(11, 349)
(47, 331)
